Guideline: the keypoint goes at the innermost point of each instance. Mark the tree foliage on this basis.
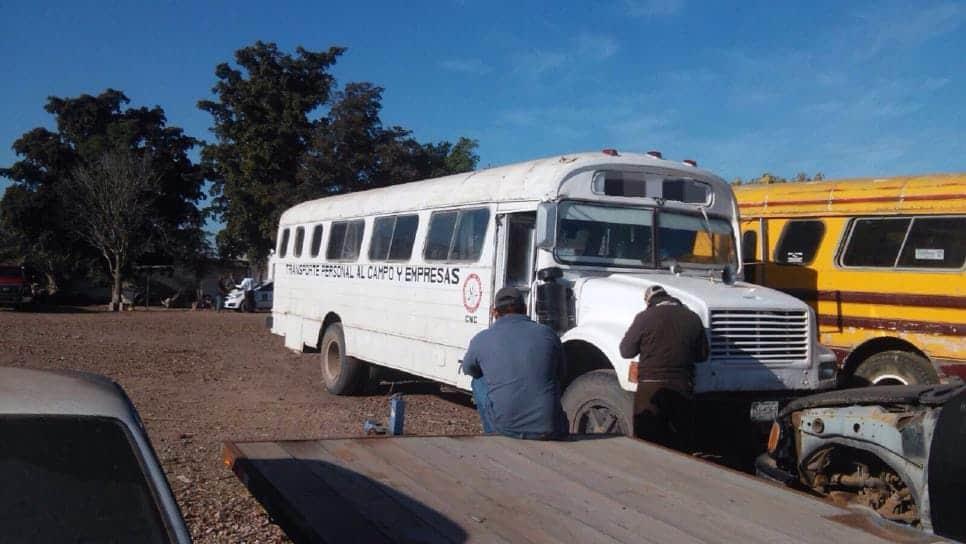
(37, 210)
(769, 178)
(262, 127)
(285, 133)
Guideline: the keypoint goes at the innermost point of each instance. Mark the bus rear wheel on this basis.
(343, 375)
(596, 404)
(894, 368)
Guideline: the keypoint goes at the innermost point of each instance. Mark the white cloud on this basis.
(653, 8)
(536, 62)
(931, 84)
(596, 46)
(693, 76)
(616, 121)
(574, 58)
(904, 25)
(466, 66)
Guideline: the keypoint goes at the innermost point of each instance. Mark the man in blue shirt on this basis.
(517, 366)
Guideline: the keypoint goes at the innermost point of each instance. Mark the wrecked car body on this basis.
(893, 449)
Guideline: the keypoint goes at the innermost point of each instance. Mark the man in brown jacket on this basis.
(669, 338)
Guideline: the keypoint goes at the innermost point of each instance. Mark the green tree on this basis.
(36, 209)
(262, 126)
(769, 178)
(285, 133)
(462, 156)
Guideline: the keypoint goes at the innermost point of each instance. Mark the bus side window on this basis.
(469, 235)
(749, 247)
(441, 225)
(393, 237)
(456, 235)
(875, 242)
(353, 240)
(403, 237)
(381, 237)
(799, 242)
(935, 242)
(345, 240)
(336, 240)
(283, 244)
(316, 240)
(299, 241)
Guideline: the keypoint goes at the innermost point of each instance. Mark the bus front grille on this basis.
(769, 337)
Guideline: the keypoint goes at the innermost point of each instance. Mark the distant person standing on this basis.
(223, 289)
(517, 366)
(669, 338)
(248, 286)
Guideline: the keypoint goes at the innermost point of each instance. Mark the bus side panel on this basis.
(854, 306)
(422, 328)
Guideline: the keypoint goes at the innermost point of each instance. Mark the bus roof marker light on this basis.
(610, 151)
(690, 162)
(655, 154)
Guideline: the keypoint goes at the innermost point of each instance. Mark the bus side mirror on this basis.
(546, 235)
(549, 274)
(728, 275)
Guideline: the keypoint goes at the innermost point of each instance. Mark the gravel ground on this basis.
(200, 378)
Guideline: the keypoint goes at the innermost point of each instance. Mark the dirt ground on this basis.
(200, 378)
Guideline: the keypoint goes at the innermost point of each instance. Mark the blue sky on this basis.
(847, 88)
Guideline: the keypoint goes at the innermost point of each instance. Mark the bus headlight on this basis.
(827, 363)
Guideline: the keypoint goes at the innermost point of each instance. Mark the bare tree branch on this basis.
(111, 198)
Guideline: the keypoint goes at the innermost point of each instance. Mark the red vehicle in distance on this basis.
(14, 286)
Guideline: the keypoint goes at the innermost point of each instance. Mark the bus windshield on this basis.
(602, 235)
(694, 239)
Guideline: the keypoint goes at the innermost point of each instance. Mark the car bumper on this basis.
(767, 468)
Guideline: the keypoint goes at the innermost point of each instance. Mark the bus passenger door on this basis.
(515, 252)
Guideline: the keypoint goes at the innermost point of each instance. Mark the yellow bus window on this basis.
(935, 242)
(799, 242)
(875, 242)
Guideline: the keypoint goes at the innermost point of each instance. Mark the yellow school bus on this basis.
(881, 261)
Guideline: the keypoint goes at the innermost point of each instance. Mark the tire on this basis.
(894, 368)
(596, 404)
(343, 375)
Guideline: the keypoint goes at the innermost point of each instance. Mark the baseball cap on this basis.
(653, 290)
(508, 296)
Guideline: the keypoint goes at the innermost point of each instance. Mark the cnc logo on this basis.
(472, 293)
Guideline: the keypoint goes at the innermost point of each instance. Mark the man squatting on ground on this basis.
(669, 338)
(517, 366)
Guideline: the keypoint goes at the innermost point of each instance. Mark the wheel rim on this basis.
(332, 362)
(598, 417)
(890, 379)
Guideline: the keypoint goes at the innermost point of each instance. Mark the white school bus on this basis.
(403, 277)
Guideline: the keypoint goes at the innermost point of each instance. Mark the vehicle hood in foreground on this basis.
(925, 395)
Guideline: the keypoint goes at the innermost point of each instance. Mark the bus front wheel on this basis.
(894, 368)
(596, 404)
(343, 375)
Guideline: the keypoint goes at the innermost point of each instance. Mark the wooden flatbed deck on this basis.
(496, 489)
